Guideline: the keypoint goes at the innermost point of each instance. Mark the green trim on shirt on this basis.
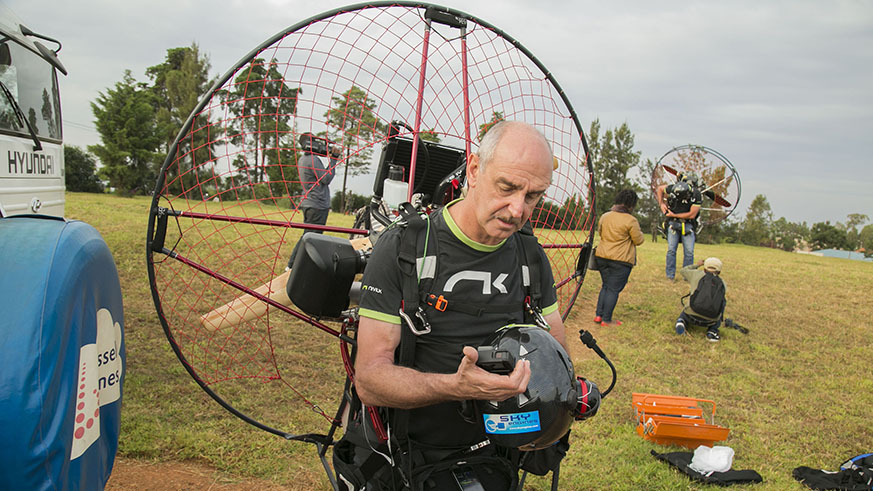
(478, 246)
(379, 316)
(551, 308)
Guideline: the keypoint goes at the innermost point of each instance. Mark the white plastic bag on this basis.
(707, 460)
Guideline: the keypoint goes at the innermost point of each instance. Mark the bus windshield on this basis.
(34, 86)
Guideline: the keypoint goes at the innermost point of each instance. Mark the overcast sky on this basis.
(783, 89)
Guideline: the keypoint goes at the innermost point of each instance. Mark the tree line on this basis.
(618, 166)
(138, 123)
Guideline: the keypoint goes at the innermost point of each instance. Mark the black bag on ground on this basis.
(708, 299)
(855, 474)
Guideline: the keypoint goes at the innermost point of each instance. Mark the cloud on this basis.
(780, 88)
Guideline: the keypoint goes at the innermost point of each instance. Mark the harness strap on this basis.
(442, 304)
(534, 264)
(410, 309)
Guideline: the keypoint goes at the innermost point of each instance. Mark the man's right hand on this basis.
(475, 383)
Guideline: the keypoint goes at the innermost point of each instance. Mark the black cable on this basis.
(588, 340)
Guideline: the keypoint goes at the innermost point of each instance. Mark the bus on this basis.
(31, 132)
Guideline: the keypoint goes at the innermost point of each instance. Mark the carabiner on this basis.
(425, 325)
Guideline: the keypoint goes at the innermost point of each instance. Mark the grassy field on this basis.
(797, 390)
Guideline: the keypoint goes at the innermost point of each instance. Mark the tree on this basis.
(353, 201)
(430, 135)
(853, 221)
(353, 120)
(496, 117)
(647, 211)
(178, 84)
(80, 171)
(613, 156)
(264, 106)
(826, 236)
(125, 119)
(788, 236)
(48, 115)
(866, 240)
(755, 229)
(728, 230)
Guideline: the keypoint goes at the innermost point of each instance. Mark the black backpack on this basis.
(856, 474)
(708, 299)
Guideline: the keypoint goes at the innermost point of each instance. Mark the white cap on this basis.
(712, 264)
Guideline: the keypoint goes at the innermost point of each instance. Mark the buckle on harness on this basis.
(425, 325)
(440, 303)
(536, 314)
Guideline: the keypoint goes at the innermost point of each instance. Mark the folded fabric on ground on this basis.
(682, 461)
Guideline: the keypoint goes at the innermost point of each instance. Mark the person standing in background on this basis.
(616, 255)
(680, 203)
(315, 178)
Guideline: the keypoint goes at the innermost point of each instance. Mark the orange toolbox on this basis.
(676, 420)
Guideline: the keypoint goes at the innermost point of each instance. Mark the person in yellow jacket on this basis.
(616, 254)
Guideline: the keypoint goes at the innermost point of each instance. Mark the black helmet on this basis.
(691, 178)
(681, 190)
(542, 414)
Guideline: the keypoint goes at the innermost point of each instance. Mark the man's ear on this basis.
(473, 170)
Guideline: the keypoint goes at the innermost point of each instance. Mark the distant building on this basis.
(858, 256)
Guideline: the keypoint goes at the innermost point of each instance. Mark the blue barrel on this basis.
(62, 358)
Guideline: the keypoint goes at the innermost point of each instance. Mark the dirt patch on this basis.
(176, 476)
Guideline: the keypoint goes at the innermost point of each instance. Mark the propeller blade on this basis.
(723, 202)
(709, 193)
(670, 169)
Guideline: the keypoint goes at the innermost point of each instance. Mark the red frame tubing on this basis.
(232, 169)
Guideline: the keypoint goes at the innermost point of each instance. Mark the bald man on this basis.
(479, 263)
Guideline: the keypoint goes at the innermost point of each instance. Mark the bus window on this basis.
(33, 83)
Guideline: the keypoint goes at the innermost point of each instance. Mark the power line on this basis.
(80, 125)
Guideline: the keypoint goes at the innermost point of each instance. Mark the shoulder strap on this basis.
(531, 258)
(413, 320)
(411, 311)
(529, 246)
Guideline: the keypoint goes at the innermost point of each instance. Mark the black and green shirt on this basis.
(465, 272)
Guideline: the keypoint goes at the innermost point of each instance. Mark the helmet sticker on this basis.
(507, 424)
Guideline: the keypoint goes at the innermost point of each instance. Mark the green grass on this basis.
(797, 390)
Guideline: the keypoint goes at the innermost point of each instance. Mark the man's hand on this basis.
(479, 384)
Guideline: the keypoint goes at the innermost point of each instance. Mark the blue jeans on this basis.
(673, 244)
(614, 276)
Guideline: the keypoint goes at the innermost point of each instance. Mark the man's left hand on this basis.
(475, 383)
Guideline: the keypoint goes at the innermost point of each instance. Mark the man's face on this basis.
(510, 186)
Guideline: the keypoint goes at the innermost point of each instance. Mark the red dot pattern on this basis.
(81, 423)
